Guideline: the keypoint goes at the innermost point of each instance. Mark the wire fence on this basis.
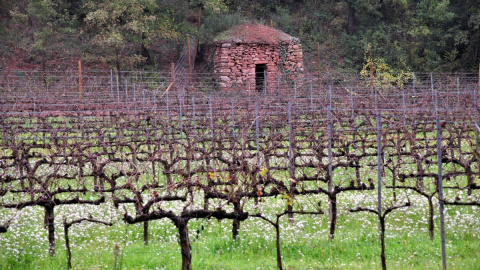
(300, 139)
(22, 91)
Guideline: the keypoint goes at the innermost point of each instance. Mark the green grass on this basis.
(304, 243)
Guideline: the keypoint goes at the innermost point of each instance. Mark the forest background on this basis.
(401, 35)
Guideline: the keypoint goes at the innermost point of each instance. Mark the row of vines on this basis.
(213, 154)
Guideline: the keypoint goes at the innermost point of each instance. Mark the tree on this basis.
(45, 27)
(465, 29)
(123, 30)
(406, 34)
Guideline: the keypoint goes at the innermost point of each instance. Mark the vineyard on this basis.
(135, 143)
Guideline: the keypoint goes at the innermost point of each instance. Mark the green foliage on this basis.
(263, 171)
(283, 20)
(213, 24)
(211, 6)
(408, 35)
(46, 28)
(384, 76)
(305, 243)
(119, 23)
(423, 35)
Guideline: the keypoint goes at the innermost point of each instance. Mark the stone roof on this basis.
(254, 33)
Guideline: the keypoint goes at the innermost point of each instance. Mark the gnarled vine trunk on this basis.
(333, 216)
(50, 226)
(185, 247)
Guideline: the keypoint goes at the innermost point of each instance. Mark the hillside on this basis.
(402, 35)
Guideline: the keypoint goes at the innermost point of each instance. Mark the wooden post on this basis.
(173, 74)
(476, 92)
(371, 76)
(80, 89)
(199, 21)
(189, 61)
(271, 23)
(318, 66)
(371, 72)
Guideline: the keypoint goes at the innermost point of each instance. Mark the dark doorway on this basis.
(260, 77)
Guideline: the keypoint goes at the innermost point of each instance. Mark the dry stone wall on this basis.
(235, 64)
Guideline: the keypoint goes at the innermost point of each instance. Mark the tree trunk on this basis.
(431, 225)
(333, 216)
(118, 64)
(182, 227)
(383, 8)
(67, 246)
(382, 241)
(50, 226)
(279, 254)
(205, 204)
(351, 19)
(44, 70)
(236, 223)
(144, 51)
(145, 232)
(235, 228)
(290, 215)
(470, 180)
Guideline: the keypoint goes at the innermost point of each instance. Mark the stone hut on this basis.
(255, 57)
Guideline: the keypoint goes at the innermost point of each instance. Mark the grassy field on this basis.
(304, 242)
